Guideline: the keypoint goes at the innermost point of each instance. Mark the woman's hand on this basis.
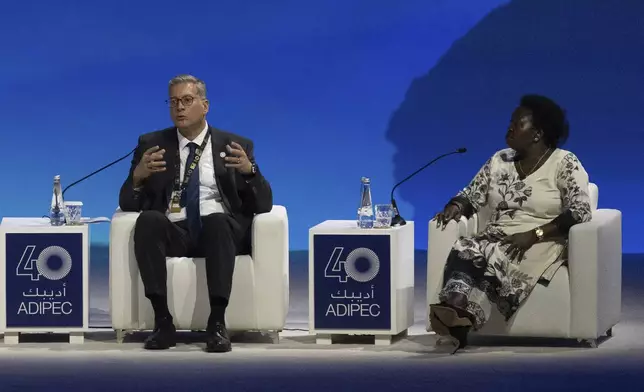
(451, 211)
(519, 244)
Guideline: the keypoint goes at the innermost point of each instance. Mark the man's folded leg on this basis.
(156, 238)
(218, 243)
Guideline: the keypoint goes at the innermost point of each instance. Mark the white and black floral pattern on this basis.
(479, 263)
(512, 191)
(572, 182)
(476, 192)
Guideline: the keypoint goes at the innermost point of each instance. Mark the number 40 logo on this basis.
(342, 270)
(34, 268)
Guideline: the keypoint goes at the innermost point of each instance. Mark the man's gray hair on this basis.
(199, 84)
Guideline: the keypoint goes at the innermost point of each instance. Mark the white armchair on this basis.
(260, 293)
(583, 300)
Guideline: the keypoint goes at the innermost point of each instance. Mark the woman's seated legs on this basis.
(463, 302)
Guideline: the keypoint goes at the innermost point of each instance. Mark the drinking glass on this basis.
(384, 213)
(74, 212)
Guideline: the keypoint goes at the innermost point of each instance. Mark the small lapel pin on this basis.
(222, 154)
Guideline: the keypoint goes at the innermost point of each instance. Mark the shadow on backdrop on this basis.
(585, 54)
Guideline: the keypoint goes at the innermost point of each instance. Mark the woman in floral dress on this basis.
(536, 192)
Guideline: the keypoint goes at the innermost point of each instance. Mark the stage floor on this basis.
(296, 363)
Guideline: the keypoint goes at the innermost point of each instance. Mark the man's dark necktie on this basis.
(190, 199)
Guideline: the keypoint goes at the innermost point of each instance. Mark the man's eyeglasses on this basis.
(185, 101)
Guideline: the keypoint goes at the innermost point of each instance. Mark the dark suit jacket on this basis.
(242, 196)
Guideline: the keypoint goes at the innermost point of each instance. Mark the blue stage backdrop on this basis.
(330, 91)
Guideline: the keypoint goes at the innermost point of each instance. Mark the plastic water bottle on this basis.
(365, 211)
(57, 208)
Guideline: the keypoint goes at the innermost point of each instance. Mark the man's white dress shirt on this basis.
(209, 198)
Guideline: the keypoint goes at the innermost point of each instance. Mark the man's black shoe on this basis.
(162, 338)
(218, 340)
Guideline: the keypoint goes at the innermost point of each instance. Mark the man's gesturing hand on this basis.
(151, 162)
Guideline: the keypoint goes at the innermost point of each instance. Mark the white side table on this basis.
(44, 278)
(361, 281)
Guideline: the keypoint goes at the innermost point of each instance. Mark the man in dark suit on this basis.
(198, 189)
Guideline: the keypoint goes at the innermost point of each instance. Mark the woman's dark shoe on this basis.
(460, 334)
(450, 323)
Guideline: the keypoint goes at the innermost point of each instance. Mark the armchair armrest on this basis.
(270, 255)
(439, 244)
(124, 272)
(595, 269)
